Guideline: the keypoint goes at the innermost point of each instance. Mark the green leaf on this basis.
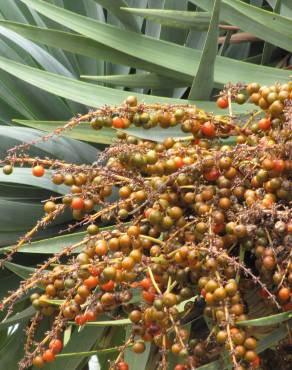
(105, 351)
(86, 93)
(20, 316)
(54, 245)
(183, 61)
(81, 132)
(145, 80)
(114, 7)
(23, 271)
(13, 351)
(120, 322)
(24, 176)
(204, 79)
(275, 337)
(79, 342)
(81, 92)
(69, 150)
(268, 320)
(174, 18)
(268, 48)
(268, 26)
(137, 361)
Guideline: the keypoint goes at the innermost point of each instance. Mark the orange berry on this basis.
(48, 356)
(148, 296)
(77, 203)
(208, 129)
(264, 124)
(38, 171)
(109, 286)
(284, 294)
(222, 102)
(118, 122)
(91, 282)
(55, 345)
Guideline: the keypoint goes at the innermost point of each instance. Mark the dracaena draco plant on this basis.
(199, 219)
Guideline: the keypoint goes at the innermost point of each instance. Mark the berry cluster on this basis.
(197, 220)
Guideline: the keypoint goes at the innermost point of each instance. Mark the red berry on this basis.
(264, 124)
(222, 103)
(123, 366)
(218, 228)
(145, 283)
(279, 165)
(48, 356)
(38, 171)
(90, 316)
(208, 129)
(91, 282)
(212, 174)
(118, 122)
(55, 345)
(180, 367)
(148, 296)
(109, 286)
(77, 203)
(256, 363)
(147, 212)
(178, 162)
(80, 320)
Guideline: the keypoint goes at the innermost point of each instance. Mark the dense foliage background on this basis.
(59, 58)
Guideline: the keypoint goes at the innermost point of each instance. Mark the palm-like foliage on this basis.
(62, 57)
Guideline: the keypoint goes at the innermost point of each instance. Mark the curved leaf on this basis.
(174, 18)
(268, 26)
(114, 7)
(81, 132)
(268, 320)
(204, 79)
(145, 80)
(184, 61)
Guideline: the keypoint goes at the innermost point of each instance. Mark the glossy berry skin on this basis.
(118, 122)
(91, 282)
(55, 345)
(208, 129)
(38, 362)
(77, 203)
(80, 320)
(123, 366)
(264, 124)
(38, 171)
(284, 294)
(48, 356)
(222, 103)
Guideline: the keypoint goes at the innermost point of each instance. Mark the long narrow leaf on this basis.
(204, 79)
(268, 26)
(183, 61)
(174, 18)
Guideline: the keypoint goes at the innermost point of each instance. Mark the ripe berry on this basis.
(123, 366)
(284, 294)
(208, 129)
(109, 286)
(38, 171)
(222, 102)
(77, 203)
(264, 124)
(55, 345)
(48, 356)
(91, 282)
(118, 122)
(80, 320)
